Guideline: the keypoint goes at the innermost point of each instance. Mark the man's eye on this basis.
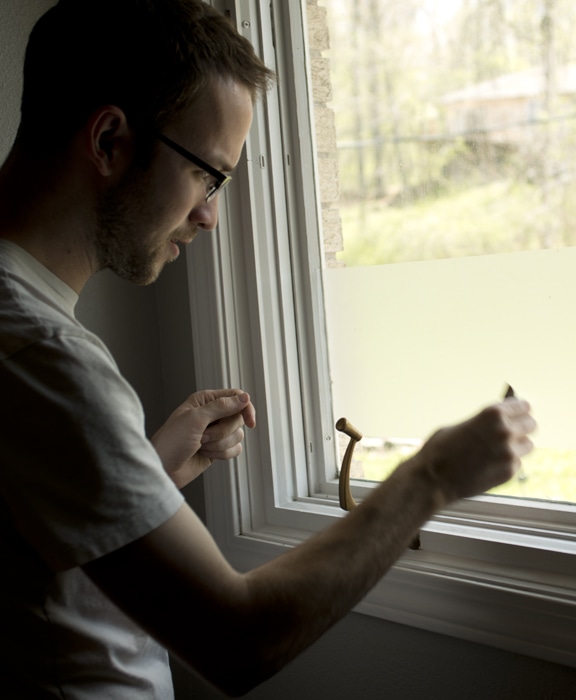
(209, 180)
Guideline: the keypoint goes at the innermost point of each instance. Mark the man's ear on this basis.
(109, 140)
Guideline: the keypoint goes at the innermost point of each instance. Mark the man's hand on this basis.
(206, 427)
(475, 456)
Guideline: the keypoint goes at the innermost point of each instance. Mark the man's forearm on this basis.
(317, 583)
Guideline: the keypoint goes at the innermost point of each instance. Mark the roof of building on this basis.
(523, 84)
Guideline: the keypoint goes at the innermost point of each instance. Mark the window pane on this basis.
(450, 130)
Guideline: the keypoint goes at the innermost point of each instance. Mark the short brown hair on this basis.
(148, 57)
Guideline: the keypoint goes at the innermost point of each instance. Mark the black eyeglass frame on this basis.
(221, 179)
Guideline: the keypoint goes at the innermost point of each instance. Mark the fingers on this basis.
(249, 414)
(483, 452)
(509, 433)
(524, 447)
(520, 423)
(228, 411)
(216, 404)
(514, 414)
(224, 449)
(223, 440)
(508, 425)
(513, 407)
(221, 431)
(238, 404)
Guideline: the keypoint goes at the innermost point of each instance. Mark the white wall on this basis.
(16, 19)
(361, 658)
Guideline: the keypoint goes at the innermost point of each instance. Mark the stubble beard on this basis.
(119, 243)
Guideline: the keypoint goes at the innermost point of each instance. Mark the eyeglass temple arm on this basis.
(347, 501)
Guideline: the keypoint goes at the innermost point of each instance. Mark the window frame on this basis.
(491, 570)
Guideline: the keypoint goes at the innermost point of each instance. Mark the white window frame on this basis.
(491, 570)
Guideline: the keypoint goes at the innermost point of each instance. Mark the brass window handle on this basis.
(347, 501)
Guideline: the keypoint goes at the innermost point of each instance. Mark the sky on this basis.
(438, 11)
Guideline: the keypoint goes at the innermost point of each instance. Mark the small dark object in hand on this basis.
(509, 393)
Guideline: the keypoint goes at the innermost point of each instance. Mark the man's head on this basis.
(145, 213)
(150, 58)
(109, 85)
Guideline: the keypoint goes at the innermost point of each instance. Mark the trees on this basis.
(393, 63)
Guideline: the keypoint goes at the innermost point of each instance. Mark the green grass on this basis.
(498, 217)
(546, 473)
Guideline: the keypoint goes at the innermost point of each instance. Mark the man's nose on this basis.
(205, 215)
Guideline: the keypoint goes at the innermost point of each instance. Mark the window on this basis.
(456, 143)
(492, 569)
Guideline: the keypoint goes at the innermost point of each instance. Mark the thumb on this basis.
(226, 405)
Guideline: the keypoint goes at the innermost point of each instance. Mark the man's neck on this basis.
(43, 213)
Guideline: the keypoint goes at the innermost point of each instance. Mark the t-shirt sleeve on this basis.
(79, 477)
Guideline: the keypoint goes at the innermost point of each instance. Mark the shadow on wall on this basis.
(364, 658)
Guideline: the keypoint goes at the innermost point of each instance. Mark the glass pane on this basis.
(446, 138)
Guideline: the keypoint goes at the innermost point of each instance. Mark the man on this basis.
(134, 113)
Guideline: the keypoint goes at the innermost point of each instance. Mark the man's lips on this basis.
(176, 242)
(184, 241)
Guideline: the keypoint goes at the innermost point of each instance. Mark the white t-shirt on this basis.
(78, 479)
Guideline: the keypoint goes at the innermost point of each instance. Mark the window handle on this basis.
(347, 501)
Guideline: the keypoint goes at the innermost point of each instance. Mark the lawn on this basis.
(546, 473)
(498, 217)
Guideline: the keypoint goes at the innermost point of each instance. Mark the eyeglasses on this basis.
(217, 181)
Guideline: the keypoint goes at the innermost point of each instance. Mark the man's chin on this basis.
(141, 278)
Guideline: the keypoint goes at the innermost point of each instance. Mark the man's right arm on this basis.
(239, 629)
